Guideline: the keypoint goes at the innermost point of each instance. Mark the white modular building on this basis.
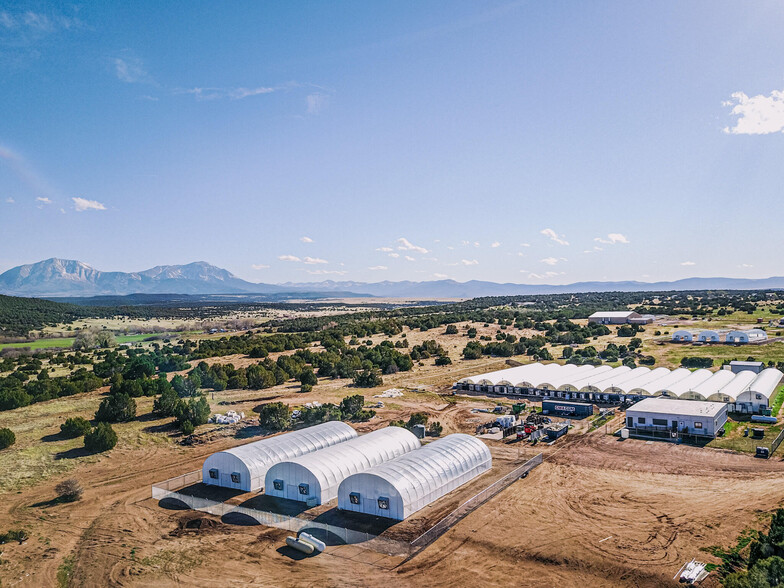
(244, 467)
(671, 419)
(314, 478)
(400, 487)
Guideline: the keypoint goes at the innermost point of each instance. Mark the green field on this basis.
(65, 342)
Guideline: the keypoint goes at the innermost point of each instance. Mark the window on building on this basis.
(214, 474)
(235, 477)
(660, 422)
(278, 485)
(304, 489)
(354, 498)
(698, 425)
(383, 503)
(641, 420)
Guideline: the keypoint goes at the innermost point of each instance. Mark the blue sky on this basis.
(531, 142)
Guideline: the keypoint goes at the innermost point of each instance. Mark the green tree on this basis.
(101, 438)
(117, 408)
(274, 416)
(75, 427)
(368, 378)
(451, 330)
(166, 403)
(307, 377)
(7, 438)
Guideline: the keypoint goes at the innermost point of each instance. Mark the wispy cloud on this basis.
(495, 244)
(409, 258)
(688, 263)
(745, 265)
(131, 70)
(440, 276)
(43, 200)
(552, 260)
(212, 93)
(10, 200)
(553, 236)
(82, 204)
(306, 239)
(612, 239)
(317, 102)
(757, 115)
(288, 258)
(550, 274)
(259, 266)
(394, 255)
(377, 267)
(384, 249)
(405, 245)
(469, 262)
(314, 260)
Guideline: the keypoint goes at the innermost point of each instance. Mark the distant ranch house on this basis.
(620, 317)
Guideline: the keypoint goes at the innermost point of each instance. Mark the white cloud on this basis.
(317, 102)
(552, 260)
(377, 267)
(429, 259)
(322, 272)
(306, 239)
(520, 254)
(131, 70)
(440, 276)
(758, 115)
(494, 245)
(525, 244)
(469, 262)
(289, 258)
(745, 265)
(612, 239)
(406, 245)
(688, 263)
(395, 255)
(545, 275)
(409, 258)
(43, 200)
(82, 204)
(553, 236)
(259, 266)
(476, 243)
(314, 260)
(10, 200)
(384, 249)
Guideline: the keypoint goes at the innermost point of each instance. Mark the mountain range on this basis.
(54, 278)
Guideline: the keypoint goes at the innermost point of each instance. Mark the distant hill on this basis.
(74, 279)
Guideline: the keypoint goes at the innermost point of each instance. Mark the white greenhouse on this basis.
(752, 335)
(244, 467)
(761, 391)
(402, 486)
(708, 336)
(314, 478)
(682, 336)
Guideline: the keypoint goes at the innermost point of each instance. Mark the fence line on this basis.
(473, 503)
(776, 442)
(167, 489)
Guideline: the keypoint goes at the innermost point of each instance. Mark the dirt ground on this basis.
(598, 512)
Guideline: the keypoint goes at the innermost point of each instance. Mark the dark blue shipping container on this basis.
(567, 409)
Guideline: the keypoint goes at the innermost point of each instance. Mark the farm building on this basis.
(244, 467)
(314, 478)
(683, 336)
(750, 336)
(568, 409)
(761, 391)
(674, 419)
(619, 317)
(605, 384)
(708, 336)
(753, 366)
(398, 488)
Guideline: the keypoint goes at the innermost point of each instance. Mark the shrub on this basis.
(435, 429)
(187, 428)
(274, 416)
(443, 360)
(69, 490)
(7, 438)
(368, 379)
(308, 378)
(451, 330)
(305, 388)
(101, 438)
(75, 427)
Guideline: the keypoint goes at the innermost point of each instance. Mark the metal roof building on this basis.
(244, 467)
(760, 392)
(708, 336)
(400, 487)
(670, 419)
(316, 476)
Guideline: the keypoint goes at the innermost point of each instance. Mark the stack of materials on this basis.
(230, 418)
(306, 543)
